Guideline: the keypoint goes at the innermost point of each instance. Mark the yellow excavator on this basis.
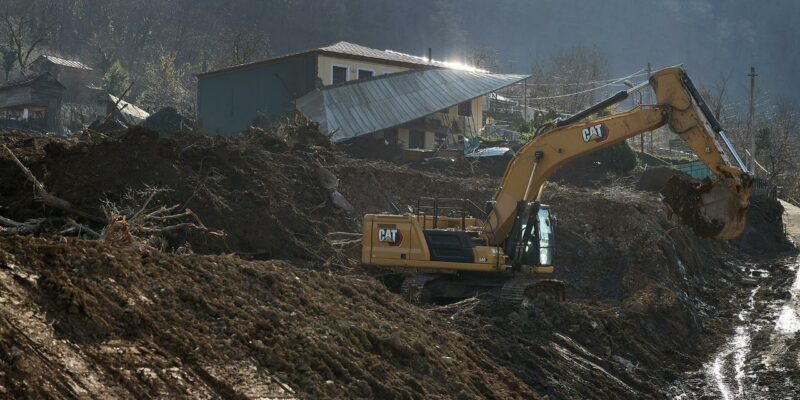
(447, 254)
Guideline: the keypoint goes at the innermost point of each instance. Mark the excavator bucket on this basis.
(715, 209)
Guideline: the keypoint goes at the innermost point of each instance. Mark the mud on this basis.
(261, 189)
(759, 360)
(647, 298)
(151, 324)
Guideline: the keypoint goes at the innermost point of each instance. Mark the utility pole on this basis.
(641, 137)
(750, 127)
(525, 99)
(649, 133)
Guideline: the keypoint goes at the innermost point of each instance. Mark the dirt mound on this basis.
(646, 298)
(148, 324)
(654, 179)
(599, 168)
(646, 295)
(262, 189)
(764, 234)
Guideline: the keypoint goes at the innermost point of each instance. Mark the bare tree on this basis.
(247, 44)
(483, 57)
(26, 32)
(570, 79)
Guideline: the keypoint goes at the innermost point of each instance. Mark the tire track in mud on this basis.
(762, 358)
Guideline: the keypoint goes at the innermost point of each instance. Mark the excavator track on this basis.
(525, 289)
(413, 288)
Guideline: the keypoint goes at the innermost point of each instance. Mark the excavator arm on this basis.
(679, 106)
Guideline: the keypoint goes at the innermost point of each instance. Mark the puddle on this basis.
(788, 321)
(727, 369)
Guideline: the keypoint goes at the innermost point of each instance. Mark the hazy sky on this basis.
(711, 38)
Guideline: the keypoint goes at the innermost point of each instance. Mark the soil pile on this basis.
(646, 295)
(262, 189)
(82, 317)
(646, 298)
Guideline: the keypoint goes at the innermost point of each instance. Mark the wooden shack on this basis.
(31, 102)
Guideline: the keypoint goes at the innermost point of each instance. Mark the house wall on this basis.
(15, 96)
(228, 102)
(40, 96)
(403, 138)
(475, 121)
(325, 62)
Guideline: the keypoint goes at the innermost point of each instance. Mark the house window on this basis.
(339, 73)
(465, 109)
(365, 73)
(416, 140)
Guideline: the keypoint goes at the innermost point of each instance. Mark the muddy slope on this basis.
(647, 297)
(262, 189)
(146, 324)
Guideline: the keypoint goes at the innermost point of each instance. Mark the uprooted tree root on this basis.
(121, 227)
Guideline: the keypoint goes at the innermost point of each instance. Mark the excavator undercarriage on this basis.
(509, 288)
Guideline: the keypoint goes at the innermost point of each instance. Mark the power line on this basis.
(641, 72)
(613, 82)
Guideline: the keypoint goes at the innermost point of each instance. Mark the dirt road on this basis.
(761, 360)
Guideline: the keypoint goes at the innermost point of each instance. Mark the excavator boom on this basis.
(679, 106)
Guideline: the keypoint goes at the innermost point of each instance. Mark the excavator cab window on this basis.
(539, 242)
(545, 235)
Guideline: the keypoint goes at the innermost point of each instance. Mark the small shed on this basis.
(32, 102)
(72, 74)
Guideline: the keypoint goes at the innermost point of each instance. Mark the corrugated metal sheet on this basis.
(131, 113)
(65, 62)
(365, 106)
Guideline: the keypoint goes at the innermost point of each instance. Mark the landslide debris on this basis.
(646, 296)
(646, 299)
(261, 189)
(144, 324)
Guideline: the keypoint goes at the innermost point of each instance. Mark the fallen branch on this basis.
(9, 222)
(21, 228)
(83, 228)
(182, 226)
(45, 197)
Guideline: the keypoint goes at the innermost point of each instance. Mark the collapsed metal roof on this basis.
(131, 113)
(365, 106)
(64, 62)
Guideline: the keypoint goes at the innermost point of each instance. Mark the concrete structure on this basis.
(229, 100)
(32, 102)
